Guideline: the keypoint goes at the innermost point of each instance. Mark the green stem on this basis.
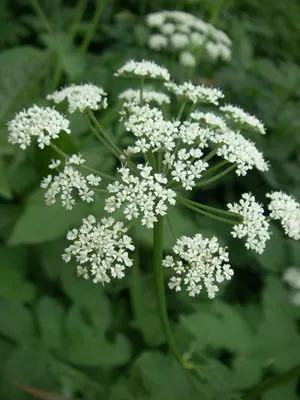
(208, 181)
(180, 112)
(92, 26)
(160, 288)
(211, 154)
(40, 13)
(86, 167)
(205, 213)
(105, 136)
(161, 300)
(80, 9)
(274, 381)
(142, 90)
(215, 167)
(212, 209)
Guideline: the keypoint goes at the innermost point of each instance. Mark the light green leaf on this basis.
(50, 316)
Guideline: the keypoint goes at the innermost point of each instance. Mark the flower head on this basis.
(195, 93)
(145, 69)
(81, 97)
(149, 96)
(236, 149)
(287, 210)
(200, 262)
(254, 226)
(100, 249)
(43, 123)
(145, 195)
(66, 181)
(241, 117)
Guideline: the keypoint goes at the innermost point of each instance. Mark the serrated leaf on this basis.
(86, 345)
(50, 316)
(16, 321)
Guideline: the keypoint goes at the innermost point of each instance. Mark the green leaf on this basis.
(50, 316)
(88, 296)
(16, 321)
(40, 223)
(220, 326)
(86, 345)
(4, 185)
(21, 71)
(275, 255)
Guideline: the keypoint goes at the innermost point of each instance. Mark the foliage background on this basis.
(67, 336)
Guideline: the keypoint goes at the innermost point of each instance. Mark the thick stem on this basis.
(160, 288)
(92, 26)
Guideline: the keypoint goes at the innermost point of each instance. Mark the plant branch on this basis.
(220, 175)
(92, 26)
(272, 382)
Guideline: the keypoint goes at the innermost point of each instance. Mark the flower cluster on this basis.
(148, 96)
(66, 181)
(183, 33)
(236, 149)
(150, 128)
(81, 97)
(195, 93)
(287, 210)
(210, 120)
(242, 118)
(42, 123)
(254, 226)
(292, 278)
(144, 195)
(201, 262)
(100, 249)
(144, 69)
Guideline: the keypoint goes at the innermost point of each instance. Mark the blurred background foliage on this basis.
(66, 338)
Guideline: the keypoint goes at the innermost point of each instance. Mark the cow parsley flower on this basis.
(67, 181)
(145, 69)
(287, 210)
(187, 59)
(195, 93)
(210, 120)
(42, 123)
(100, 249)
(292, 277)
(81, 97)
(254, 226)
(149, 96)
(178, 31)
(236, 149)
(242, 118)
(150, 128)
(200, 262)
(145, 195)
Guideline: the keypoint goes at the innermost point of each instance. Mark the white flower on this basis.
(195, 93)
(144, 69)
(100, 249)
(254, 227)
(210, 119)
(157, 41)
(44, 123)
(292, 277)
(187, 33)
(286, 209)
(187, 59)
(150, 128)
(54, 164)
(144, 195)
(243, 118)
(236, 149)
(149, 96)
(67, 181)
(179, 41)
(81, 97)
(201, 262)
